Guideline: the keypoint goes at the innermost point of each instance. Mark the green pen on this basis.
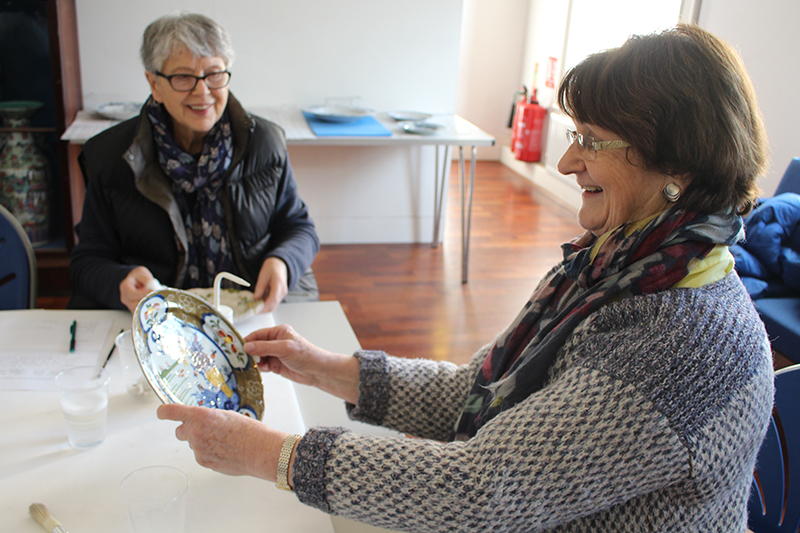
(72, 330)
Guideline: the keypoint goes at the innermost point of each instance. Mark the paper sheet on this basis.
(35, 351)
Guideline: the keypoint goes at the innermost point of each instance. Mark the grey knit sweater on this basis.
(650, 421)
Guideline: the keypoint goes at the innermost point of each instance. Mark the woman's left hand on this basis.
(272, 285)
(226, 441)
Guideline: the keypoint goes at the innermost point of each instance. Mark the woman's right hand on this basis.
(286, 353)
(137, 284)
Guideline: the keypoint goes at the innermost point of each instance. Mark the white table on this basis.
(81, 488)
(456, 131)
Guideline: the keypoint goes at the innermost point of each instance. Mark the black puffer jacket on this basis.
(131, 218)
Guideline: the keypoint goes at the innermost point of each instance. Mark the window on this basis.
(597, 25)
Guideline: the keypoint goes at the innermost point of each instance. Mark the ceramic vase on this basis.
(24, 171)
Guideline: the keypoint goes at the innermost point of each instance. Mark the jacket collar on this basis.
(151, 181)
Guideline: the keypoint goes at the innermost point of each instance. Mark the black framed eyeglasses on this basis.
(587, 144)
(187, 82)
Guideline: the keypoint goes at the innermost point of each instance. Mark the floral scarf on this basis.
(634, 259)
(197, 186)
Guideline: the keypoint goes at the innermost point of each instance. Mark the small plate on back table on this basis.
(119, 110)
(412, 116)
(421, 127)
(338, 113)
(190, 354)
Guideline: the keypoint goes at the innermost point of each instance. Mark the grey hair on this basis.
(197, 33)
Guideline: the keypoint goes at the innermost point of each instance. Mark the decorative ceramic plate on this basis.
(421, 128)
(338, 113)
(191, 355)
(119, 110)
(409, 115)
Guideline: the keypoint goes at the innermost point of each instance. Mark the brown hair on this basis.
(683, 100)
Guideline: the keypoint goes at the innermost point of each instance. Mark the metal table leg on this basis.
(466, 211)
(466, 203)
(438, 193)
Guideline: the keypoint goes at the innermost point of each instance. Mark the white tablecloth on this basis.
(81, 488)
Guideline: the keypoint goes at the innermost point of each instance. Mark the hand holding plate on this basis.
(225, 441)
(137, 284)
(286, 353)
(272, 285)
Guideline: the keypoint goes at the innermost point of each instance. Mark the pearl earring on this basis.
(671, 192)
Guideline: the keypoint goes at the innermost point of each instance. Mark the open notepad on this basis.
(35, 350)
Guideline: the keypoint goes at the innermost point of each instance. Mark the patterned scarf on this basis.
(634, 259)
(197, 185)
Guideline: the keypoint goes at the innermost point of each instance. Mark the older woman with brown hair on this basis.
(633, 390)
(193, 186)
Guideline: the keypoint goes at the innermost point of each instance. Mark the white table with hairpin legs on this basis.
(81, 488)
(454, 131)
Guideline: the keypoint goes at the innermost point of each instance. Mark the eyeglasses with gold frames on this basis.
(587, 144)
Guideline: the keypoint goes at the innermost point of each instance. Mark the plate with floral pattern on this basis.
(190, 354)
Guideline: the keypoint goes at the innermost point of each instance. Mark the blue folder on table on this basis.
(365, 127)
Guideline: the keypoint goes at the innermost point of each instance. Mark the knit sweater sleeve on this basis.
(557, 456)
(436, 390)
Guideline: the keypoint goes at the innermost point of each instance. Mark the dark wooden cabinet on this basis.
(58, 84)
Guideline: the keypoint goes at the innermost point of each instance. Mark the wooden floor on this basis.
(408, 300)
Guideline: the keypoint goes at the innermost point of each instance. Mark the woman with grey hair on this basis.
(191, 187)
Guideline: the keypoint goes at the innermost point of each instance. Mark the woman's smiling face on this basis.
(615, 189)
(193, 112)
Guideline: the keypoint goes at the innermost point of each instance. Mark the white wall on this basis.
(766, 35)
(491, 55)
(394, 55)
(547, 27)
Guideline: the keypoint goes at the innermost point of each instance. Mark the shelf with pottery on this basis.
(56, 84)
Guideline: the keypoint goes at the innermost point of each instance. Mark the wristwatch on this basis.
(283, 461)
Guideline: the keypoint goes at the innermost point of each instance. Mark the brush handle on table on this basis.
(52, 525)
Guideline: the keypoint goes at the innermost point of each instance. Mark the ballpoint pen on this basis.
(72, 330)
(111, 351)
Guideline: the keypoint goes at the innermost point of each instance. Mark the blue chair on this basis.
(790, 182)
(17, 265)
(781, 315)
(774, 505)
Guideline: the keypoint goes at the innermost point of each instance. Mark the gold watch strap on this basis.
(283, 461)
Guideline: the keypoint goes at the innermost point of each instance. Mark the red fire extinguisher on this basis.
(520, 98)
(527, 131)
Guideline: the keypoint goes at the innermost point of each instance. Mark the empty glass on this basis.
(84, 402)
(156, 499)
